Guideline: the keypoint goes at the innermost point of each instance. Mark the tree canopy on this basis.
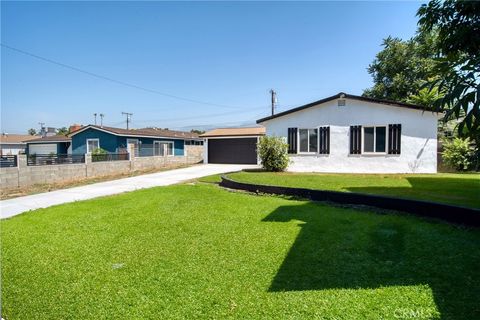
(458, 47)
(402, 67)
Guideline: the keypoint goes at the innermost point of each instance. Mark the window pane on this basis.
(368, 139)
(380, 139)
(92, 145)
(170, 149)
(313, 140)
(303, 140)
(157, 149)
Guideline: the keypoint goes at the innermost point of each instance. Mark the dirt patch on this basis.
(39, 188)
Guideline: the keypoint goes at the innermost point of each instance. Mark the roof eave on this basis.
(347, 96)
(234, 135)
(129, 135)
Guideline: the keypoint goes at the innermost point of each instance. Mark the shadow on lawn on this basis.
(342, 250)
(463, 192)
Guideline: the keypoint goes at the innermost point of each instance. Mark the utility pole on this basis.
(42, 130)
(101, 119)
(95, 116)
(274, 100)
(128, 117)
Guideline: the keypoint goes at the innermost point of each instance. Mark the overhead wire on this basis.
(127, 84)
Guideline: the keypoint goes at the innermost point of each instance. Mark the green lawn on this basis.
(457, 189)
(198, 251)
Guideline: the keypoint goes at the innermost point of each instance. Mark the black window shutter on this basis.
(394, 138)
(355, 139)
(292, 140)
(324, 140)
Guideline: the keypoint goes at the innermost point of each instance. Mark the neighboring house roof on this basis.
(229, 132)
(50, 139)
(15, 138)
(147, 132)
(342, 95)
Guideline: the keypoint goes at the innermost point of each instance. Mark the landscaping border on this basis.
(449, 213)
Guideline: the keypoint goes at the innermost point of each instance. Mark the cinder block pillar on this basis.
(21, 168)
(131, 156)
(88, 162)
(21, 161)
(88, 158)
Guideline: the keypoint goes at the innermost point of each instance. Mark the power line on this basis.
(99, 76)
(200, 117)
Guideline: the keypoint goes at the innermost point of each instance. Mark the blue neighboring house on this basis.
(148, 141)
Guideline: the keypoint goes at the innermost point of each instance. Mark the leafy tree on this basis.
(32, 131)
(459, 153)
(401, 68)
(458, 47)
(425, 97)
(197, 131)
(62, 131)
(273, 153)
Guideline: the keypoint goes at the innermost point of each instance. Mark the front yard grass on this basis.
(198, 251)
(450, 188)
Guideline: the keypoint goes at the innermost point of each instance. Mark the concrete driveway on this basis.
(13, 207)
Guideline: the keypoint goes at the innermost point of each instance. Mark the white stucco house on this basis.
(352, 134)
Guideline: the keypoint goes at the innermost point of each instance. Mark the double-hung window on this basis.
(374, 139)
(308, 140)
(92, 145)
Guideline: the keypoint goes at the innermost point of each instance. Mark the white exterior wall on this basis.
(418, 140)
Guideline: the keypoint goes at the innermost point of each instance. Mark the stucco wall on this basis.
(418, 141)
(24, 175)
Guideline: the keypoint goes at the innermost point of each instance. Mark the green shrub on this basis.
(458, 153)
(273, 152)
(99, 151)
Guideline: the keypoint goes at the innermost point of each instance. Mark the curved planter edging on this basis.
(454, 214)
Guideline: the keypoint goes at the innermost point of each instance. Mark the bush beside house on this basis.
(273, 153)
(460, 154)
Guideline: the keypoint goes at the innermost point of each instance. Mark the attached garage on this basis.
(49, 145)
(42, 148)
(232, 145)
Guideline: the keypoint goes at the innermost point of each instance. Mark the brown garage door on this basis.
(235, 150)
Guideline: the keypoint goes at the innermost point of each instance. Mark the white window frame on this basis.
(95, 139)
(133, 141)
(374, 140)
(308, 141)
(165, 151)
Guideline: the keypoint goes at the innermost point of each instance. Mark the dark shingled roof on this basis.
(346, 96)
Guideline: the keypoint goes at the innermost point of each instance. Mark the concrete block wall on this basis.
(24, 175)
(194, 151)
(107, 168)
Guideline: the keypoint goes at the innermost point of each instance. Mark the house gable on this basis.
(345, 96)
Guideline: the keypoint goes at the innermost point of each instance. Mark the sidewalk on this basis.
(13, 207)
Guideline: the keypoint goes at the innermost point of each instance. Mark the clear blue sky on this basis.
(224, 53)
